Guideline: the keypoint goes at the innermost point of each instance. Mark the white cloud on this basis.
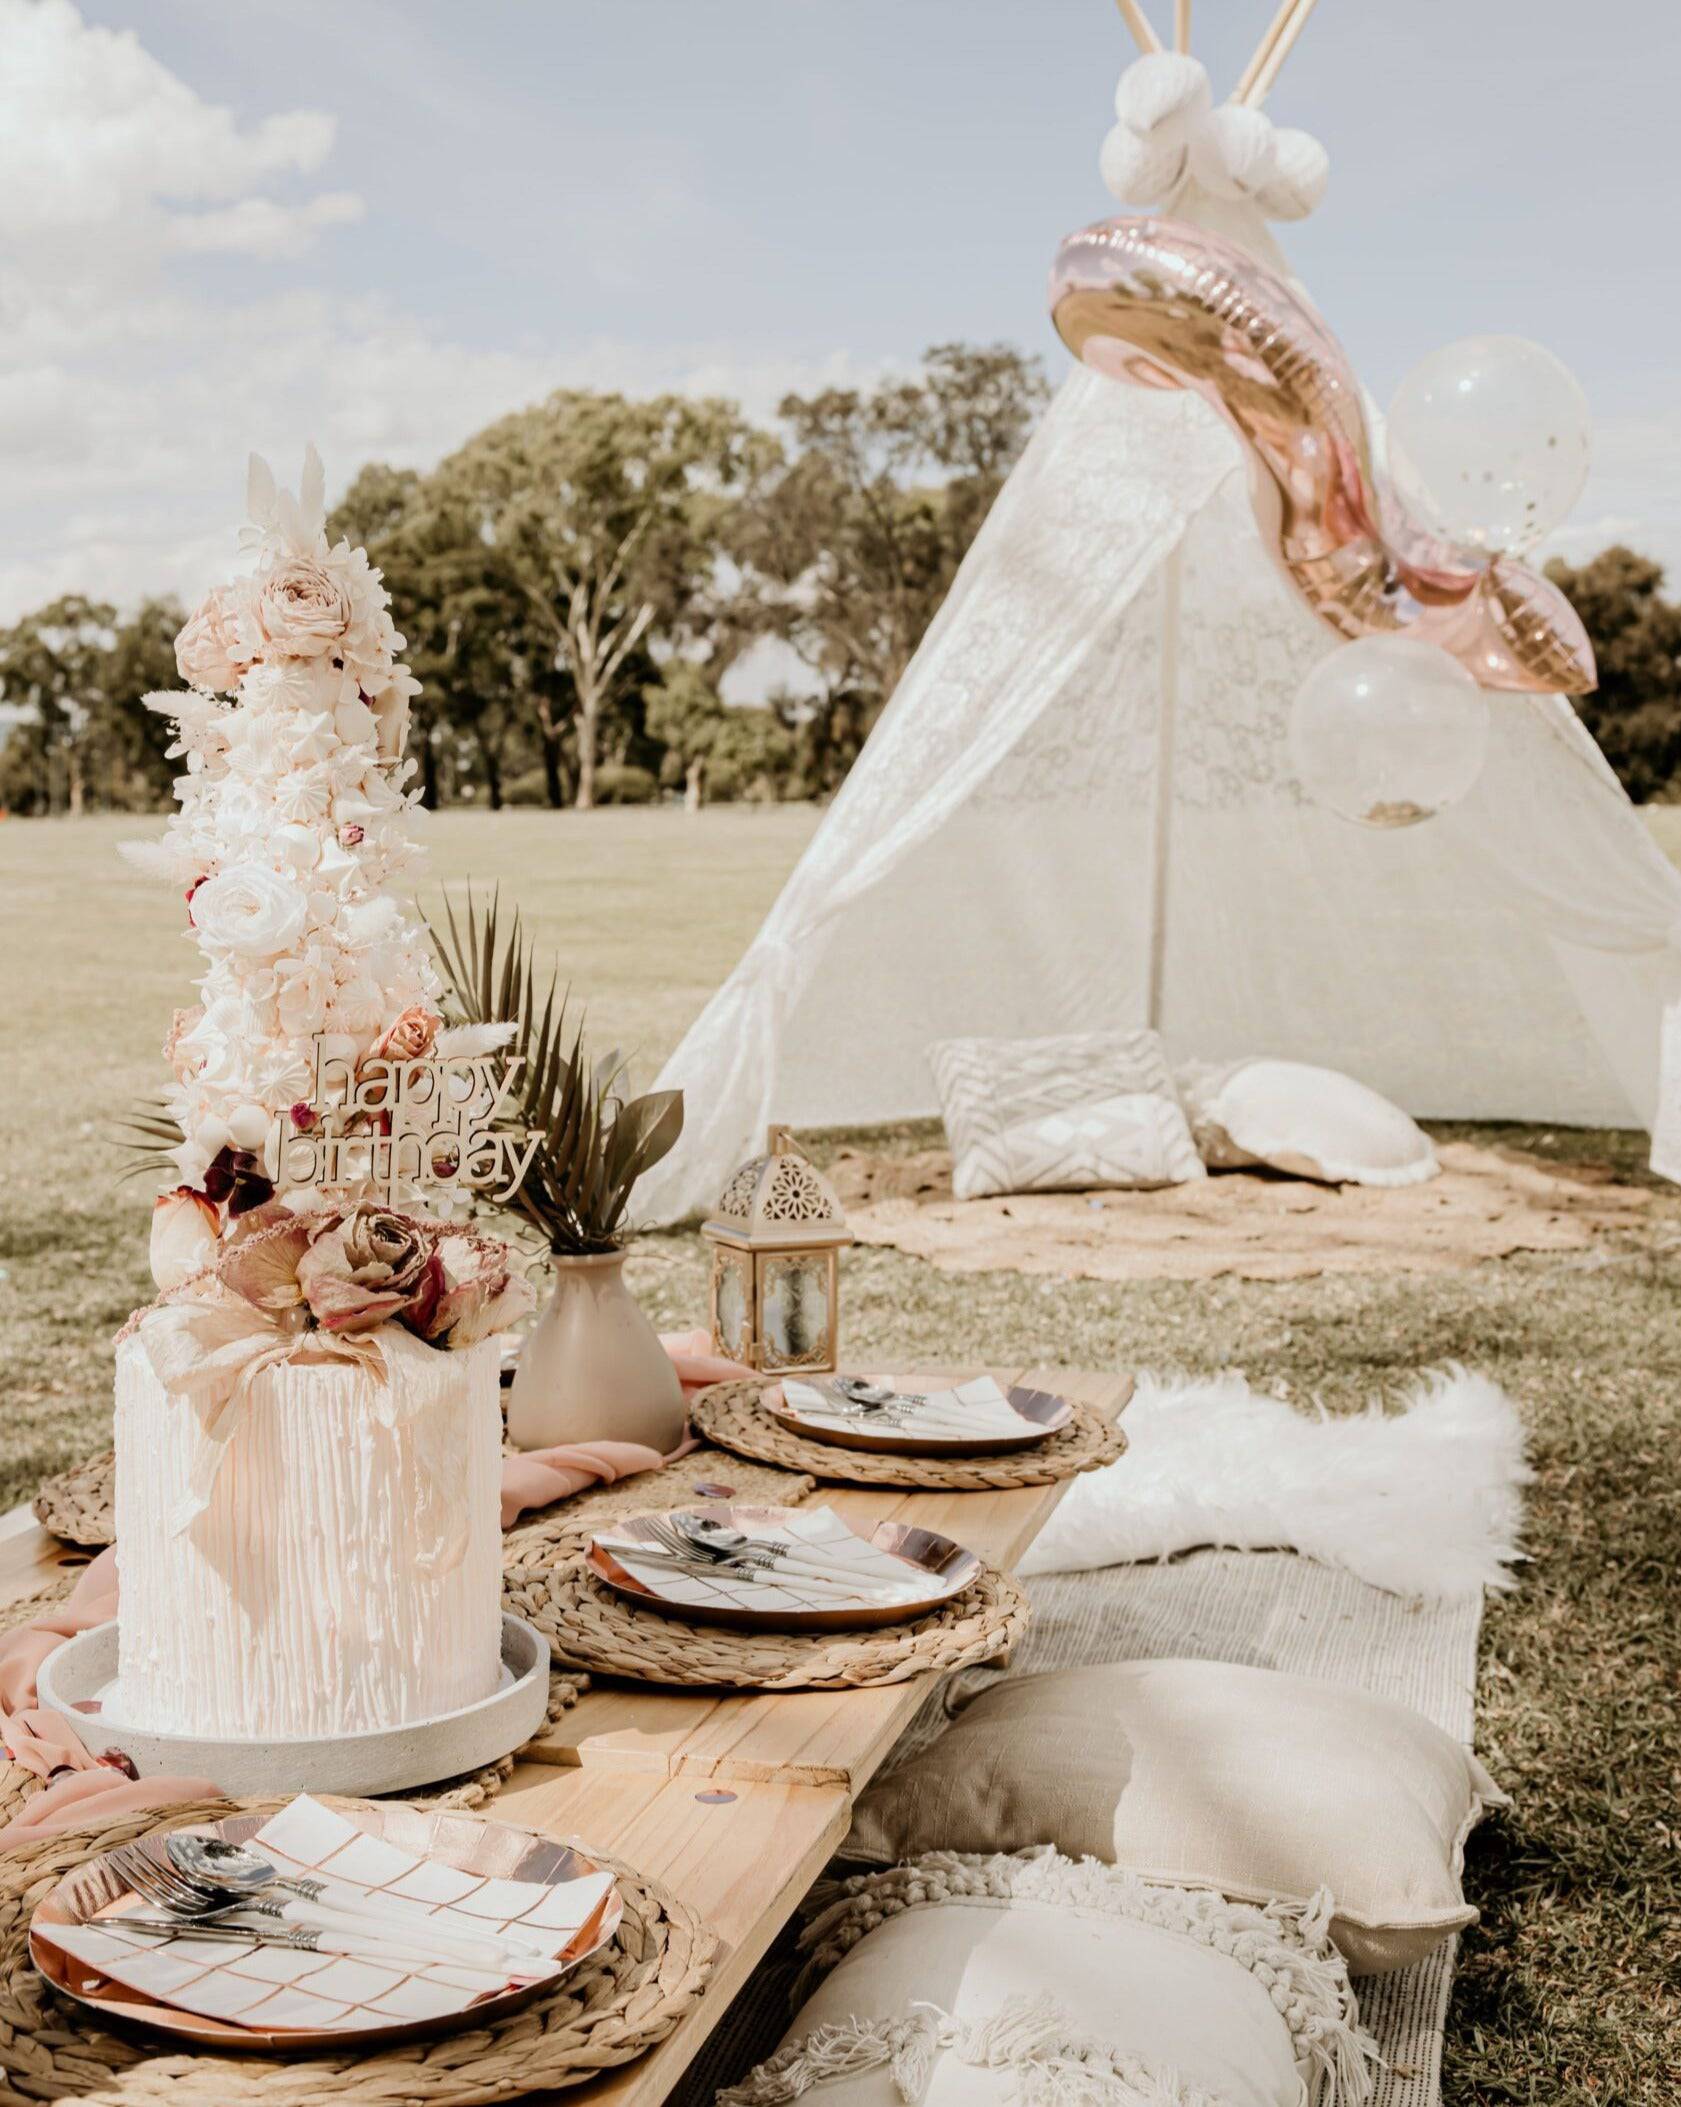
(107, 160)
(129, 399)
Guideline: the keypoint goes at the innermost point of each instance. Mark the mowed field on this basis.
(1569, 1991)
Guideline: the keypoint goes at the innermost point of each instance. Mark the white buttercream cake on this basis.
(309, 1597)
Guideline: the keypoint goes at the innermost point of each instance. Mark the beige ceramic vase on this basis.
(593, 1368)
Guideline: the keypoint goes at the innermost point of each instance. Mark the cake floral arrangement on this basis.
(308, 1419)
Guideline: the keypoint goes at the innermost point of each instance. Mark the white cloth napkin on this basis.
(869, 1576)
(976, 1411)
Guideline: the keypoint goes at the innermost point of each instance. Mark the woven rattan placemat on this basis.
(731, 1415)
(591, 1627)
(77, 1505)
(614, 2008)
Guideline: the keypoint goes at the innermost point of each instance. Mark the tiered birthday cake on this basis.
(308, 1426)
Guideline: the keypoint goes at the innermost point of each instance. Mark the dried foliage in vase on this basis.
(595, 1142)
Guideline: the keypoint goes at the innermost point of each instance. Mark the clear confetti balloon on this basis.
(1388, 731)
(1488, 441)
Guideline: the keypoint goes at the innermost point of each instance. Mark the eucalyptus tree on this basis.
(846, 547)
(605, 514)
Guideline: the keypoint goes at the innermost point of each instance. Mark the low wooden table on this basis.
(735, 1802)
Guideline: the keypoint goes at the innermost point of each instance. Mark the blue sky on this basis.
(377, 223)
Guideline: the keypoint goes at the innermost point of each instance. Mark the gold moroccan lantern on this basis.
(775, 1275)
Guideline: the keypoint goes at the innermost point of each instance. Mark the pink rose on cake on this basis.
(409, 1038)
(300, 609)
(208, 651)
(251, 910)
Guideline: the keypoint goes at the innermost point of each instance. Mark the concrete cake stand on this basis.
(78, 1680)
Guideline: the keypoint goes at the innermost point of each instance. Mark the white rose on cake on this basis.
(251, 910)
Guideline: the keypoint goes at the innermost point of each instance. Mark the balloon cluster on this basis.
(1487, 451)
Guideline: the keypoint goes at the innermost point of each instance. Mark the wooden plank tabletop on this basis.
(817, 1737)
(735, 1803)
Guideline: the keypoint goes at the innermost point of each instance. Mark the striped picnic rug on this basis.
(1266, 1609)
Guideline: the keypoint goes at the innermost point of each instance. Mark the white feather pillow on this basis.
(1312, 1122)
(1073, 1113)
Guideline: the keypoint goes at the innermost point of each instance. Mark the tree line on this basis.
(575, 580)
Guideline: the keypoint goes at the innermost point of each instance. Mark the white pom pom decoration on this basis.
(1157, 99)
(1169, 127)
(1231, 152)
(1300, 170)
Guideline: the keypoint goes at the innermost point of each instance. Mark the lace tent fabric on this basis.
(1030, 843)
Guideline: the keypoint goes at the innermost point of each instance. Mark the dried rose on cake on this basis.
(368, 1266)
(349, 1270)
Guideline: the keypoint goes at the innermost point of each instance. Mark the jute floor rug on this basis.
(1264, 1609)
(1486, 1204)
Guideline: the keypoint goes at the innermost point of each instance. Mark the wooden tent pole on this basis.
(1263, 50)
(1261, 86)
(1181, 25)
(1139, 23)
(1161, 832)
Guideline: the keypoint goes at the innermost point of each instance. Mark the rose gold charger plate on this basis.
(493, 1850)
(1041, 1413)
(943, 1568)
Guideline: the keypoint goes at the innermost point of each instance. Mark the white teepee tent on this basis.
(1078, 812)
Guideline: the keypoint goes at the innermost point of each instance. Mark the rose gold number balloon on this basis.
(1158, 302)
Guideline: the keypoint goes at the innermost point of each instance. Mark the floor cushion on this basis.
(982, 1982)
(1073, 1113)
(1311, 1122)
(1258, 1784)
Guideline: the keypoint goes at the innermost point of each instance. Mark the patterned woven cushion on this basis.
(1067, 1114)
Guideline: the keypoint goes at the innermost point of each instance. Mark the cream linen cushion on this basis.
(1257, 1784)
(1312, 1122)
(1067, 1114)
(989, 1973)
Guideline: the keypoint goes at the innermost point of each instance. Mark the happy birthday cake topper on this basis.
(438, 1121)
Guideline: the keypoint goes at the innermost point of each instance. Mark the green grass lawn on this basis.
(1570, 1990)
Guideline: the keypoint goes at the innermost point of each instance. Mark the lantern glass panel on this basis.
(733, 1303)
(797, 1317)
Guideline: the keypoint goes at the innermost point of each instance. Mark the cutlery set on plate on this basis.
(806, 1569)
(206, 1888)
